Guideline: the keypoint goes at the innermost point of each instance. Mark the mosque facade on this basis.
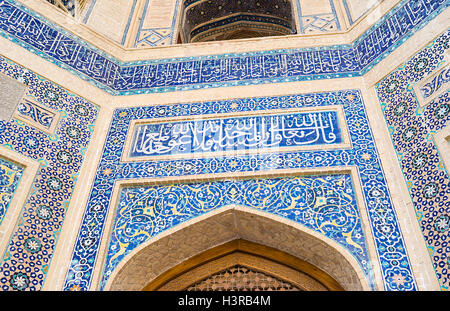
(216, 145)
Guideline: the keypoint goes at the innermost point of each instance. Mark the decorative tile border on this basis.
(393, 260)
(30, 247)
(433, 86)
(412, 128)
(58, 46)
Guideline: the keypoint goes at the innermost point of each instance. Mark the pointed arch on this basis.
(294, 272)
(175, 251)
(215, 20)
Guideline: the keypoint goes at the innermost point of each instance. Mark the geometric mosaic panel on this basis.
(412, 128)
(51, 191)
(433, 86)
(322, 23)
(11, 92)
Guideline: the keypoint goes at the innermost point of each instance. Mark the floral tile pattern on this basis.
(326, 204)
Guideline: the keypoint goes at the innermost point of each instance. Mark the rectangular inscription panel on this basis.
(247, 134)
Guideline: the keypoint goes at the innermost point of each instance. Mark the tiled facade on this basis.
(218, 70)
(29, 252)
(363, 155)
(412, 128)
(314, 158)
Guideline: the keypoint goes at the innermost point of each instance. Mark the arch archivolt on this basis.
(201, 21)
(240, 264)
(174, 246)
(157, 256)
